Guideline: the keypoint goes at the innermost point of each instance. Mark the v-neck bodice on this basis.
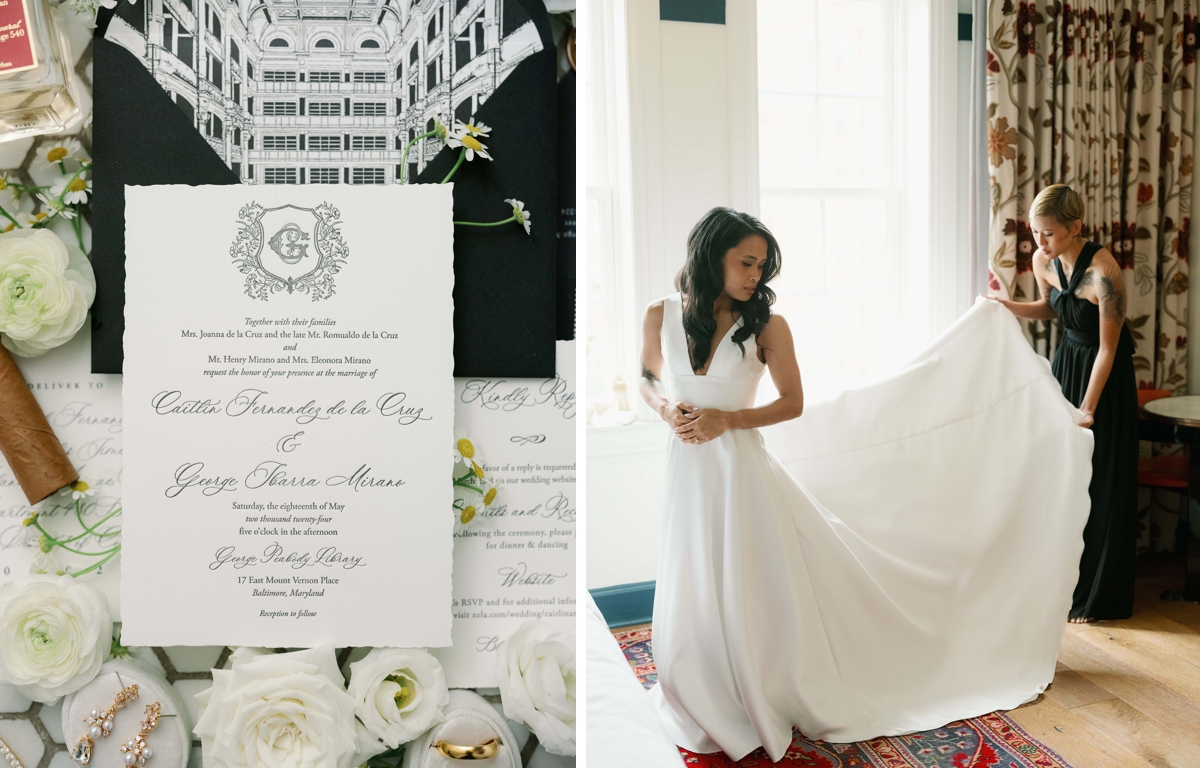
(731, 381)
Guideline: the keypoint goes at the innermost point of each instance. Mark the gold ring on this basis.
(487, 749)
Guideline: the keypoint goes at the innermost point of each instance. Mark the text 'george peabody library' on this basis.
(325, 91)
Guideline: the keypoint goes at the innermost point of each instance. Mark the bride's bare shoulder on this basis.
(776, 327)
(654, 313)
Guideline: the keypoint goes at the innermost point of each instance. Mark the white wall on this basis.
(693, 145)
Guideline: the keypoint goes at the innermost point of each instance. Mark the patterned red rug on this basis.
(991, 741)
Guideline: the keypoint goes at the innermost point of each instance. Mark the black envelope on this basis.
(506, 286)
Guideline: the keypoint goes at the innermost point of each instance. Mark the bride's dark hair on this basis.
(702, 280)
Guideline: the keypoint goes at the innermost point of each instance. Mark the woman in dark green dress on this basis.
(1081, 283)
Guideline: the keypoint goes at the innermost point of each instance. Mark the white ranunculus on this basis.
(398, 694)
(46, 288)
(535, 669)
(55, 632)
(284, 710)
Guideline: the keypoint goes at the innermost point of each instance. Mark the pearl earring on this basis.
(136, 751)
(100, 725)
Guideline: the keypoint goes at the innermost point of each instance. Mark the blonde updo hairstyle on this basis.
(1058, 202)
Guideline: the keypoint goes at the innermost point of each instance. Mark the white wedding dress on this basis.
(904, 556)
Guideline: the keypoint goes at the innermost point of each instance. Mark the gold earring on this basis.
(136, 751)
(100, 725)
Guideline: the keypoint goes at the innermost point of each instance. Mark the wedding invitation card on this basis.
(516, 560)
(289, 408)
(84, 410)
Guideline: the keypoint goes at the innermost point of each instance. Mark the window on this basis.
(368, 142)
(469, 43)
(278, 42)
(399, 73)
(370, 77)
(237, 137)
(369, 43)
(235, 55)
(460, 6)
(214, 127)
(280, 142)
(324, 42)
(237, 92)
(367, 176)
(412, 93)
(323, 176)
(215, 72)
(177, 40)
(370, 109)
(433, 73)
(279, 175)
(212, 21)
(324, 77)
(250, 68)
(325, 108)
(279, 108)
(325, 143)
(186, 107)
(823, 79)
(412, 54)
(463, 111)
(278, 76)
(435, 25)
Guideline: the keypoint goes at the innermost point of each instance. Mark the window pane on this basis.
(852, 143)
(787, 141)
(851, 47)
(855, 243)
(797, 226)
(787, 46)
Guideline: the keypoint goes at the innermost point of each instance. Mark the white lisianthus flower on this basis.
(284, 710)
(535, 670)
(398, 694)
(46, 287)
(55, 632)
(519, 213)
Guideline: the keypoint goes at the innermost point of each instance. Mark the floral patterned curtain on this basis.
(1099, 95)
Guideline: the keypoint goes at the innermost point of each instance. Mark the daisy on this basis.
(54, 204)
(472, 145)
(473, 128)
(17, 208)
(76, 192)
(45, 563)
(519, 213)
(79, 490)
(464, 449)
(53, 153)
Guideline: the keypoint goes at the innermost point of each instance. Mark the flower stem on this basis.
(485, 224)
(404, 160)
(457, 484)
(10, 218)
(461, 156)
(97, 564)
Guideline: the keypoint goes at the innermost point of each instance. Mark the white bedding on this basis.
(623, 731)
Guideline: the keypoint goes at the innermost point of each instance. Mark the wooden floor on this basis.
(1127, 693)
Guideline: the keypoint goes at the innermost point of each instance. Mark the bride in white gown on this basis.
(923, 571)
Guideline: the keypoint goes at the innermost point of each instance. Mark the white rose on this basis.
(46, 288)
(55, 632)
(398, 694)
(285, 710)
(535, 669)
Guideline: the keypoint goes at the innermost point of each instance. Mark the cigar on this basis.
(29, 445)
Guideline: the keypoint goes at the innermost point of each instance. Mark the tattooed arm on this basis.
(1109, 285)
(650, 382)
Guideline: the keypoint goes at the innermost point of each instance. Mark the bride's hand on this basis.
(1087, 420)
(676, 414)
(702, 425)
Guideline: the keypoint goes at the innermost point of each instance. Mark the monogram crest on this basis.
(304, 250)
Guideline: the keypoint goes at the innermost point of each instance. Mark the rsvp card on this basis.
(289, 416)
(516, 560)
(84, 409)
